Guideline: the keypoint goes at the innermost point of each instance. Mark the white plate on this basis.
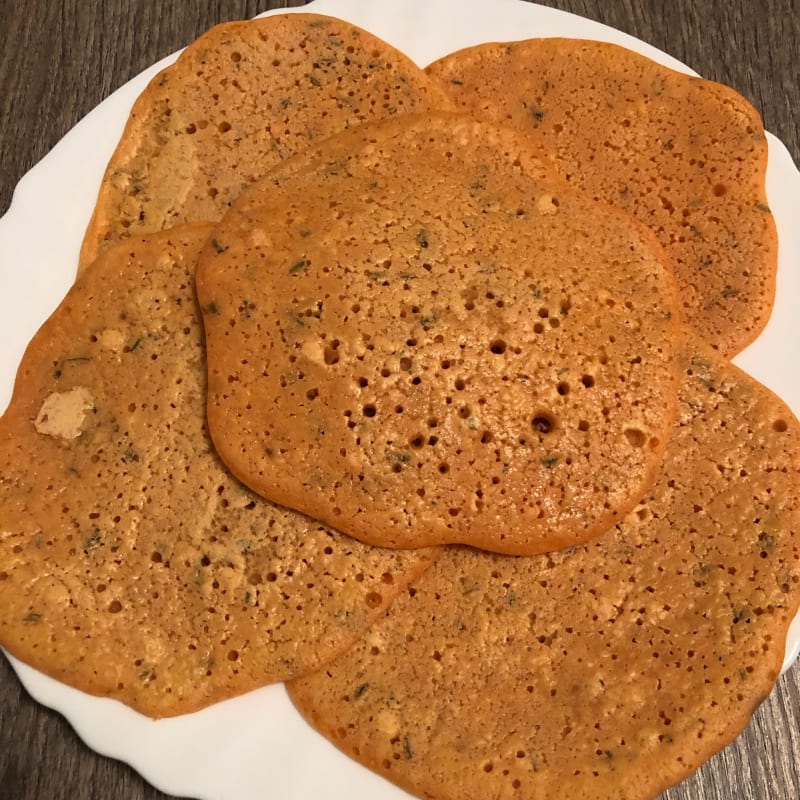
(256, 745)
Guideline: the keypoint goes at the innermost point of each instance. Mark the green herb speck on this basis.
(537, 113)
(59, 370)
(427, 321)
(767, 541)
(359, 692)
(32, 618)
(298, 267)
(217, 246)
(92, 540)
(549, 461)
(407, 748)
(740, 615)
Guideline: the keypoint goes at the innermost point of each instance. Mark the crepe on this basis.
(132, 565)
(687, 157)
(612, 669)
(238, 100)
(417, 334)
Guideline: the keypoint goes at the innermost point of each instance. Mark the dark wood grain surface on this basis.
(59, 58)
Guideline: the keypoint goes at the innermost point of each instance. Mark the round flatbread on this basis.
(132, 564)
(418, 335)
(238, 100)
(687, 157)
(606, 672)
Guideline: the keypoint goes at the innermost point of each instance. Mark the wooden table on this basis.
(59, 59)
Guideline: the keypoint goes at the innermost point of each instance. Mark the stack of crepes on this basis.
(411, 388)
